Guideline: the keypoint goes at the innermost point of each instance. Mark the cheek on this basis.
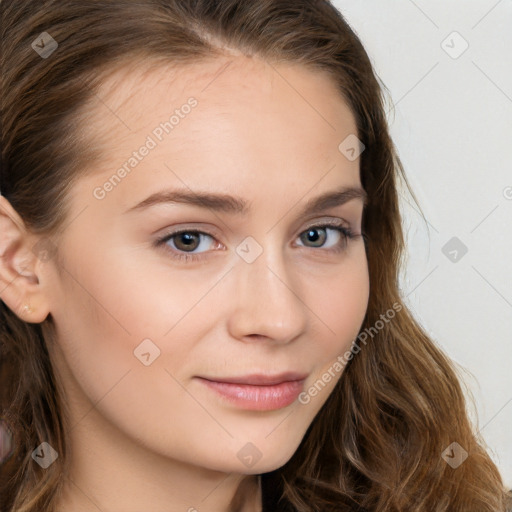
(342, 308)
(104, 313)
(339, 308)
(340, 304)
(104, 309)
(114, 314)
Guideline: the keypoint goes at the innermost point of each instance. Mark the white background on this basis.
(452, 125)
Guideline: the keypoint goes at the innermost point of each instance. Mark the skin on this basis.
(154, 437)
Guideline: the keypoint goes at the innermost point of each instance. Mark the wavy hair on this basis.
(376, 445)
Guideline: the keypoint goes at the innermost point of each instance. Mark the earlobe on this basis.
(19, 284)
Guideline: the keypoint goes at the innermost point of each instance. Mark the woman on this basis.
(200, 249)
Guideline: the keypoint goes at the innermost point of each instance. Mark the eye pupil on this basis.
(186, 236)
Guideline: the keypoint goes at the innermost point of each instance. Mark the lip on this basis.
(257, 392)
(260, 379)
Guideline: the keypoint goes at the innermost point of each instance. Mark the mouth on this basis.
(257, 392)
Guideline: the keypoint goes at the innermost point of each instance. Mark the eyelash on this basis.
(345, 232)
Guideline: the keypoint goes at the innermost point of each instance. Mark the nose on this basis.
(267, 305)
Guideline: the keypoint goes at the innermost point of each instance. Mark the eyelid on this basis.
(341, 225)
(332, 221)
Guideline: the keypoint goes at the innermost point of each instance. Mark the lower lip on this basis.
(258, 398)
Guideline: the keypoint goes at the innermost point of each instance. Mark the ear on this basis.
(22, 256)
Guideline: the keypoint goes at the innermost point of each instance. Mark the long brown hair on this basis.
(377, 443)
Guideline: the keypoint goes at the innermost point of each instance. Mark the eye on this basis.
(318, 234)
(186, 241)
(183, 244)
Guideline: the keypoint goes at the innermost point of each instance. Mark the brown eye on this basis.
(183, 244)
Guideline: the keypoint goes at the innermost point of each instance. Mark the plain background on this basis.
(452, 126)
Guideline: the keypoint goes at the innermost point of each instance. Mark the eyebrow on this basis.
(236, 205)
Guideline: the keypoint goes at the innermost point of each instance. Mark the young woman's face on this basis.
(143, 326)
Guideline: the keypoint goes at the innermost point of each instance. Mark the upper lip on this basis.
(260, 379)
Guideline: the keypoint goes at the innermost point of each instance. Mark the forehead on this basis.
(138, 96)
(252, 122)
